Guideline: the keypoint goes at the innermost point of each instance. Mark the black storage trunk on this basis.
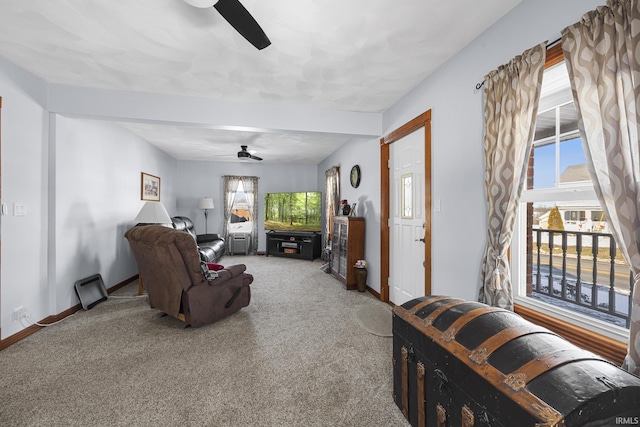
(462, 363)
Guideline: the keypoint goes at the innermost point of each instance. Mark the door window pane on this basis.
(407, 195)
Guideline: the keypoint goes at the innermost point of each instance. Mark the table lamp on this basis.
(152, 213)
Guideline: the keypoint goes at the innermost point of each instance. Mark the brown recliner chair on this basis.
(169, 263)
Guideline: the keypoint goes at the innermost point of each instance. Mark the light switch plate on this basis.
(19, 209)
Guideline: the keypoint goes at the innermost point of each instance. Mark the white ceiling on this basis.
(351, 55)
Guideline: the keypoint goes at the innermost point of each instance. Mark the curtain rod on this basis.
(549, 45)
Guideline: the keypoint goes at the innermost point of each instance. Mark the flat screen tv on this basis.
(299, 211)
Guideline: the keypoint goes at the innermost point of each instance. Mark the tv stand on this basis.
(293, 244)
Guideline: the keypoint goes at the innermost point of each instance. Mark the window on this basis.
(240, 220)
(240, 212)
(575, 216)
(564, 261)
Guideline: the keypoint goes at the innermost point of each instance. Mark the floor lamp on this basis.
(205, 204)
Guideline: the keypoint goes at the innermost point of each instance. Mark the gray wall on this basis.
(458, 230)
(364, 153)
(97, 196)
(459, 235)
(25, 182)
(81, 192)
(200, 179)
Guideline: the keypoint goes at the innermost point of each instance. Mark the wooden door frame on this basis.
(423, 120)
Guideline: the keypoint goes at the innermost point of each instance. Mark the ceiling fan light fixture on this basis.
(201, 3)
(245, 154)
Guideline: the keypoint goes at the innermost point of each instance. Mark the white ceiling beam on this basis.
(218, 114)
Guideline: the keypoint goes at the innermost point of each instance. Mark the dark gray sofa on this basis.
(210, 246)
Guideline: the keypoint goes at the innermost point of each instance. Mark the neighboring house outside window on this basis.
(240, 213)
(240, 220)
(558, 179)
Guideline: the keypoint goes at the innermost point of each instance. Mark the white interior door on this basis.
(406, 237)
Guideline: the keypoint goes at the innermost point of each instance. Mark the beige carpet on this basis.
(375, 319)
(295, 357)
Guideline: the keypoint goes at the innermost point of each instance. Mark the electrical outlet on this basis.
(19, 313)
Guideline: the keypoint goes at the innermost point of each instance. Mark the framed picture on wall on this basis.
(150, 187)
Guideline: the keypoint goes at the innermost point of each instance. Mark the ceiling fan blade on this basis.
(201, 3)
(240, 19)
(251, 156)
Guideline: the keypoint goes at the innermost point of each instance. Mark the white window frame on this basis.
(519, 283)
(579, 192)
(245, 225)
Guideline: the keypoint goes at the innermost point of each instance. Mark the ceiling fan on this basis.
(239, 18)
(246, 154)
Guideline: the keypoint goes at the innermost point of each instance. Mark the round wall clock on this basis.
(355, 176)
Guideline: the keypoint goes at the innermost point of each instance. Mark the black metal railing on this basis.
(562, 261)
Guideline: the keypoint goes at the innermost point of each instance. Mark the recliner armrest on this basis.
(232, 272)
(202, 238)
(229, 273)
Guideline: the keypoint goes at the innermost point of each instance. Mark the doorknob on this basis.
(420, 240)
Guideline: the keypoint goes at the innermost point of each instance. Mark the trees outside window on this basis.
(240, 219)
(559, 196)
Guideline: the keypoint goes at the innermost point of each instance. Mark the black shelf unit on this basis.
(293, 244)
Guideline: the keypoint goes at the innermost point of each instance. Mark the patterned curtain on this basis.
(250, 184)
(230, 187)
(332, 199)
(601, 53)
(511, 96)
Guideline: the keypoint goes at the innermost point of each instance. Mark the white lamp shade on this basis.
(205, 203)
(153, 213)
(201, 3)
